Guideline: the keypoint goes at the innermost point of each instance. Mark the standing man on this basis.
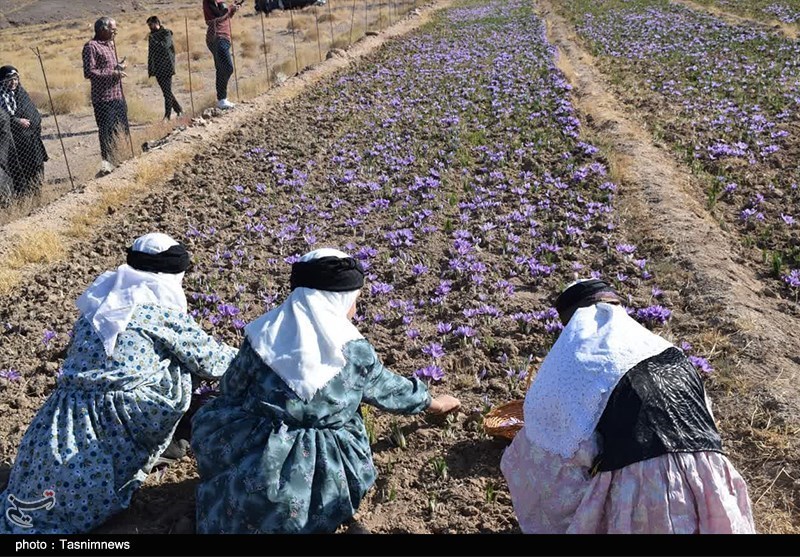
(218, 38)
(161, 64)
(100, 66)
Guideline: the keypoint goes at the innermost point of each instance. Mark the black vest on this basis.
(658, 407)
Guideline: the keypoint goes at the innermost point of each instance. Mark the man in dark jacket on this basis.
(161, 64)
(26, 130)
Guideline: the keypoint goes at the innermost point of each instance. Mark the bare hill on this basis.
(19, 13)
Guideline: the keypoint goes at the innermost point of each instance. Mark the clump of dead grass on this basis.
(42, 246)
(9, 279)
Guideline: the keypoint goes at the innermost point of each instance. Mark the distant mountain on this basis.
(16, 13)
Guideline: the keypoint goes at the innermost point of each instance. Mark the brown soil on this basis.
(721, 291)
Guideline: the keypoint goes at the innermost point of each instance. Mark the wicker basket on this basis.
(504, 420)
(507, 419)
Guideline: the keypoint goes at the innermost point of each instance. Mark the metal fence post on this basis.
(122, 90)
(294, 43)
(189, 60)
(352, 21)
(319, 44)
(330, 19)
(233, 56)
(264, 44)
(55, 118)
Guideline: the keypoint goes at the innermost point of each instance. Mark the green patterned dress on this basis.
(271, 463)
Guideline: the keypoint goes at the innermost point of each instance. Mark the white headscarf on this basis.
(111, 299)
(302, 340)
(570, 392)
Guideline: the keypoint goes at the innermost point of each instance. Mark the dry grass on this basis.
(151, 172)
(140, 111)
(252, 87)
(35, 247)
(312, 34)
(69, 101)
(83, 224)
(9, 279)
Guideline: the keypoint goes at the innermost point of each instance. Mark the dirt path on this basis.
(787, 30)
(721, 290)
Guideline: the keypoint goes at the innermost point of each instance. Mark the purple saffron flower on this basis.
(465, 331)
(444, 328)
(10, 374)
(788, 219)
(419, 269)
(654, 314)
(48, 336)
(434, 350)
(431, 372)
(626, 248)
(412, 334)
(378, 288)
(702, 364)
(792, 278)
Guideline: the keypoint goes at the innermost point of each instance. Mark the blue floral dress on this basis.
(97, 436)
(271, 463)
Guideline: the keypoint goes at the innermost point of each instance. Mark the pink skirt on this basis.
(680, 493)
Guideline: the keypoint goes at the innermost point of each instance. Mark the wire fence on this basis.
(76, 108)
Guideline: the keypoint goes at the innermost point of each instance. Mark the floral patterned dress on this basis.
(272, 463)
(100, 432)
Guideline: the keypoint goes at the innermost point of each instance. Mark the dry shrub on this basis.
(141, 111)
(326, 17)
(343, 41)
(312, 34)
(180, 43)
(249, 49)
(43, 246)
(70, 100)
(151, 172)
(62, 73)
(297, 23)
(40, 100)
(198, 55)
(83, 224)
(252, 87)
(8, 280)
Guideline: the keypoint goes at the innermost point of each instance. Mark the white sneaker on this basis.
(225, 104)
(106, 168)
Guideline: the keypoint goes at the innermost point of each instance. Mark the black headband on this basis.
(331, 273)
(174, 260)
(579, 292)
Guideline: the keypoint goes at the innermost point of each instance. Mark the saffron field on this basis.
(453, 164)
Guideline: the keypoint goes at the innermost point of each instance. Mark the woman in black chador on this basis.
(26, 129)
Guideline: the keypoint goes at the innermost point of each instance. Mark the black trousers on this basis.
(112, 119)
(170, 102)
(223, 63)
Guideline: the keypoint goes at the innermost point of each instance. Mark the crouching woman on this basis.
(126, 383)
(284, 449)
